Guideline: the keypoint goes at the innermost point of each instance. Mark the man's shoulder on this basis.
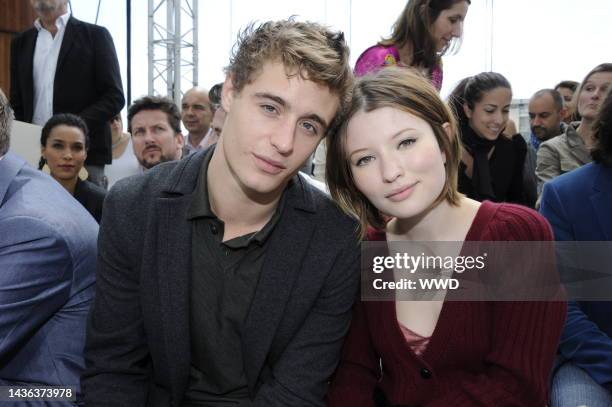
(327, 214)
(17, 39)
(34, 199)
(89, 27)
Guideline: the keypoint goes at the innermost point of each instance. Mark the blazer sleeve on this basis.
(16, 96)
(548, 164)
(582, 341)
(36, 272)
(300, 377)
(117, 358)
(359, 368)
(107, 78)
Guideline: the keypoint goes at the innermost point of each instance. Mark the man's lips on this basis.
(269, 165)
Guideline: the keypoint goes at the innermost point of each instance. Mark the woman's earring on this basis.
(83, 174)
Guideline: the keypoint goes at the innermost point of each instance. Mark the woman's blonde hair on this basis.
(402, 89)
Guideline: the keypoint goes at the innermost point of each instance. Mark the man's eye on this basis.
(311, 128)
(269, 108)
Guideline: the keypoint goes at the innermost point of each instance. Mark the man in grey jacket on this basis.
(225, 278)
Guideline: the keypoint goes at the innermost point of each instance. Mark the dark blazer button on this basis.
(214, 229)
(425, 373)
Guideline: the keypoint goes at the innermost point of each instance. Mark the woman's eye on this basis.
(406, 142)
(364, 160)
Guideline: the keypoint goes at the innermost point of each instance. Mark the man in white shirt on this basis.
(196, 113)
(63, 65)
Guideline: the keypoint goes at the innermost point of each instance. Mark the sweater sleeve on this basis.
(374, 58)
(525, 335)
(359, 369)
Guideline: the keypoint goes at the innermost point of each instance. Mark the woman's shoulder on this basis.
(375, 57)
(511, 222)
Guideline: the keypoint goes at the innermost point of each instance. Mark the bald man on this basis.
(196, 114)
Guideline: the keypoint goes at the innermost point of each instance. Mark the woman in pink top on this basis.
(395, 164)
(424, 32)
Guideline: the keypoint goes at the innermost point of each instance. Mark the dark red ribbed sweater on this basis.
(480, 354)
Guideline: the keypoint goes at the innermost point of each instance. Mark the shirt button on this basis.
(213, 229)
(425, 373)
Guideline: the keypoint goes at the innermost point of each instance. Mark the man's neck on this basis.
(196, 138)
(241, 211)
(47, 20)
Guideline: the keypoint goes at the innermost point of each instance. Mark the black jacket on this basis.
(138, 341)
(87, 81)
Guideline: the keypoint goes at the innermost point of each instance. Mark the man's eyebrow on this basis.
(277, 99)
(315, 117)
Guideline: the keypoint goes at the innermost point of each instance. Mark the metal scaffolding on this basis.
(172, 47)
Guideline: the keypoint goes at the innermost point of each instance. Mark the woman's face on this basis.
(449, 24)
(65, 152)
(395, 161)
(490, 115)
(592, 94)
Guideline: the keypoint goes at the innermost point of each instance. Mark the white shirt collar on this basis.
(60, 22)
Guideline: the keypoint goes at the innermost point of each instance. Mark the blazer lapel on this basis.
(601, 199)
(67, 42)
(29, 46)
(278, 274)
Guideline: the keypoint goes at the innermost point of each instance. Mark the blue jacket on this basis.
(578, 205)
(47, 278)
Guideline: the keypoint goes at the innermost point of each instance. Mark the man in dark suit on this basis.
(47, 274)
(63, 65)
(225, 278)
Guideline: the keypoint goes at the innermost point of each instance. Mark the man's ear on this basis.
(180, 140)
(227, 93)
(467, 111)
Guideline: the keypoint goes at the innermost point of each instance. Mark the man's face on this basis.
(272, 126)
(47, 6)
(544, 118)
(153, 138)
(196, 112)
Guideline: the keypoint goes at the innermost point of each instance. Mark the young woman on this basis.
(424, 31)
(395, 168)
(63, 146)
(571, 149)
(491, 165)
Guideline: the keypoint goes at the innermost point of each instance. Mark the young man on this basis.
(224, 278)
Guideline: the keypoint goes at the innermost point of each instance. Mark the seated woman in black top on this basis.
(491, 164)
(63, 145)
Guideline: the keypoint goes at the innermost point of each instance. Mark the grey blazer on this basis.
(138, 341)
(561, 154)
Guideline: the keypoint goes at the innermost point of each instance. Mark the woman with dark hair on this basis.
(571, 149)
(63, 145)
(393, 165)
(491, 165)
(424, 31)
(578, 206)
